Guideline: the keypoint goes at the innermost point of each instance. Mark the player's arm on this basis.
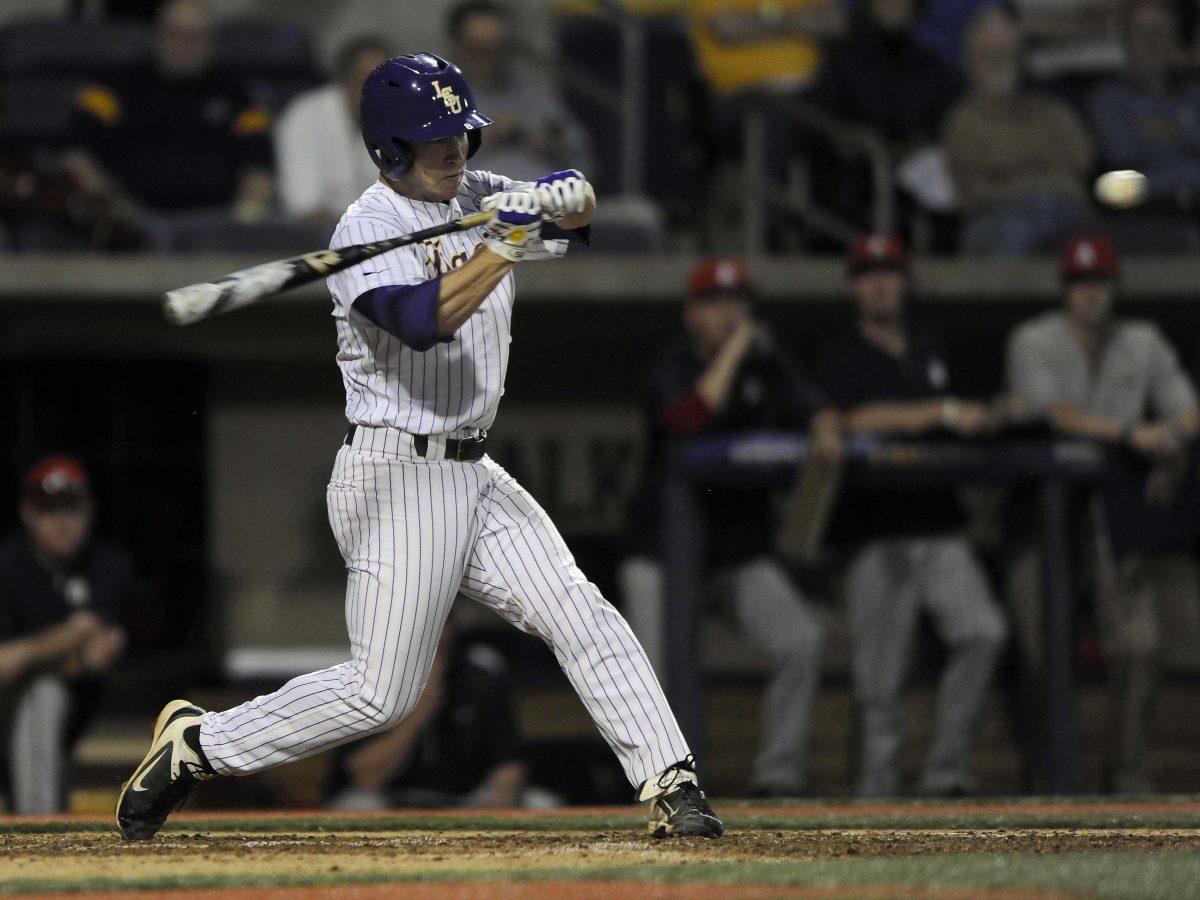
(962, 417)
(47, 647)
(430, 311)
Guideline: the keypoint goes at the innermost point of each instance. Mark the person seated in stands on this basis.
(531, 131)
(1149, 120)
(175, 135)
(755, 45)
(61, 596)
(1018, 157)
(459, 747)
(318, 139)
(909, 552)
(724, 376)
(885, 78)
(1118, 382)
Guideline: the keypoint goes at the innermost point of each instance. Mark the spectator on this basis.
(1149, 120)
(725, 376)
(175, 135)
(909, 551)
(531, 132)
(61, 594)
(1119, 383)
(747, 44)
(1018, 157)
(318, 139)
(882, 76)
(459, 747)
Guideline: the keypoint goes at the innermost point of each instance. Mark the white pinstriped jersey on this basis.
(452, 387)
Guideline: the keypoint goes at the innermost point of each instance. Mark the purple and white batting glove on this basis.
(562, 193)
(514, 232)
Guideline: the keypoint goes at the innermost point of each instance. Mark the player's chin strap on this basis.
(684, 771)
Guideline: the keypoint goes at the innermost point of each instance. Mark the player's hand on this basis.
(967, 419)
(562, 194)
(1155, 441)
(514, 233)
(14, 657)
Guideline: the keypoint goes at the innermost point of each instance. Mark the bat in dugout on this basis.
(197, 302)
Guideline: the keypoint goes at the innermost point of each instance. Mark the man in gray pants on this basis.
(726, 375)
(910, 553)
(60, 598)
(1117, 382)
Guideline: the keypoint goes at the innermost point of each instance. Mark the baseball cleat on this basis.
(683, 811)
(163, 780)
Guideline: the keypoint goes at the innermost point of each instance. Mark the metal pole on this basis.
(681, 543)
(754, 209)
(1062, 768)
(633, 123)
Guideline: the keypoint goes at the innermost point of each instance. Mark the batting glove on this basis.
(562, 193)
(514, 232)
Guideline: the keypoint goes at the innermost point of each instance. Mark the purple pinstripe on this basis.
(410, 549)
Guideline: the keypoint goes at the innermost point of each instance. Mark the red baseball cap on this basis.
(718, 275)
(57, 478)
(875, 252)
(1090, 257)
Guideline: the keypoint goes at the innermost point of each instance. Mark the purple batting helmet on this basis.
(412, 98)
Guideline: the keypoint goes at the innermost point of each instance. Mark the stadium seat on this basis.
(65, 47)
(260, 46)
(36, 110)
(218, 233)
(628, 225)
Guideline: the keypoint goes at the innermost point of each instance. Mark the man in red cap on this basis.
(909, 550)
(60, 599)
(726, 375)
(1118, 382)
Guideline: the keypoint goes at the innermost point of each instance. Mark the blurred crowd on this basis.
(1082, 372)
(961, 125)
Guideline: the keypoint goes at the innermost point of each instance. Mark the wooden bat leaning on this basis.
(197, 302)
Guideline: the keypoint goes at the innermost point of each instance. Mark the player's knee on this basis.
(380, 714)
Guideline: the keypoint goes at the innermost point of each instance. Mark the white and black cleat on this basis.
(162, 781)
(684, 812)
(678, 806)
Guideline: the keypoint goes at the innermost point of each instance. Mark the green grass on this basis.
(1101, 874)
(1017, 814)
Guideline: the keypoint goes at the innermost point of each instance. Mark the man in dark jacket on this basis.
(909, 552)
(727, 375)
(61, 594)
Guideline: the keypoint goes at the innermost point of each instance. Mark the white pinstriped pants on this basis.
(414, 534)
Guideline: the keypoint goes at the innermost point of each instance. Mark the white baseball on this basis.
(1123, 188)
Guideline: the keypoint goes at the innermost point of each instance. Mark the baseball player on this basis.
(420, 512)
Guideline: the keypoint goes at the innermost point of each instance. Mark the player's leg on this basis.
(404, 529)
(38, 746)
(881, 605)
(967, 618)
(522, 569)
(1127, 615)
(772, 612)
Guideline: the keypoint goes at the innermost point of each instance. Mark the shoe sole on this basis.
(160, 725)
(696, 826)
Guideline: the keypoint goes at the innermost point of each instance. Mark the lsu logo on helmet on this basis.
(446, 95)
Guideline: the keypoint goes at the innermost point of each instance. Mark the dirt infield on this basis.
(439, 855)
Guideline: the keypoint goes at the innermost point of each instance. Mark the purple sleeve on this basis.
(407, 311)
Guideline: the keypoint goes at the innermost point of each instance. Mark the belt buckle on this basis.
(458, 451)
